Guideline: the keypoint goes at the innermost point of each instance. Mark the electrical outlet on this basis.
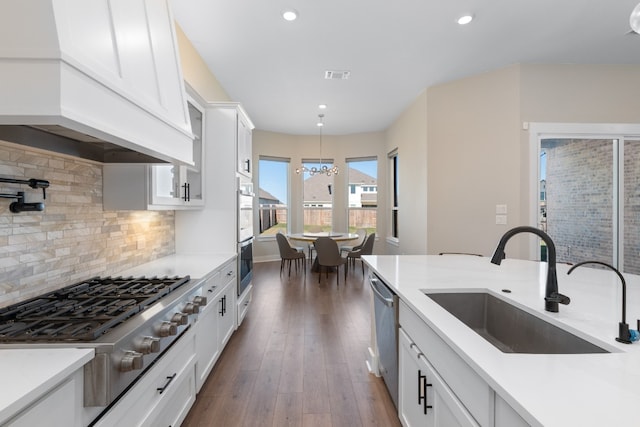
(501, 219)
(501, 209)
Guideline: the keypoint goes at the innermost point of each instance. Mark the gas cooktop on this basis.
(84, 311)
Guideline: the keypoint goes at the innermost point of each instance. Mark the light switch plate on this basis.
(501, 209)
(501, 219)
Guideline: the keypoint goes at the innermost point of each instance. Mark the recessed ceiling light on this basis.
(464, 20)
(322, 106)
(290, 15)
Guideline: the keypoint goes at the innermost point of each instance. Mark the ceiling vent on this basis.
(337, 74)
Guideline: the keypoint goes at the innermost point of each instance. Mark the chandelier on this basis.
(634, 19)
(322, 168)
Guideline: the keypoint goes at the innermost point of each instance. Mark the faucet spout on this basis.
(552, 297)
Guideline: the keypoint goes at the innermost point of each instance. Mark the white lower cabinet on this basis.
(216, 321)
(506, 416)
(424, 398)
(438, 388)
(164, 395)
(57, 408)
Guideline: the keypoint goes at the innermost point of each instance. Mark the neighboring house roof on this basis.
(316, 189)
(267, 198)
(361, 178)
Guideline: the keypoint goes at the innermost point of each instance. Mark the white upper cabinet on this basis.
(159, 186)
(107, 68)
(245, 145)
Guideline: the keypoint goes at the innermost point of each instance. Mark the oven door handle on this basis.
(246, 242)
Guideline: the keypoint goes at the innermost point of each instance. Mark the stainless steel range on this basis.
(130, 322)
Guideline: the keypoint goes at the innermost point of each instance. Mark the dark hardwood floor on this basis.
(298, 359)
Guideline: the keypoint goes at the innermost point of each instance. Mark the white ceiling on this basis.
(393, 48)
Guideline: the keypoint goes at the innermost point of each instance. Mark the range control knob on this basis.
(149, 345)
(132, 360)
(191, 308)
(180, 318)
(167, 328)
(200, 301)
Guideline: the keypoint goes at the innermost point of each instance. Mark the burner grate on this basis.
(83, 311)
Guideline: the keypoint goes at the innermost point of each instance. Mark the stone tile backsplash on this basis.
(73, 239)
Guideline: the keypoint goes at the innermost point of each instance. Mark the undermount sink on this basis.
(508, 328)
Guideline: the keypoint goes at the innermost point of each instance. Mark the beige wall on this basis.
(474, 161)
(478, 152)
(408, 135)
(196, 73)
(298, 147)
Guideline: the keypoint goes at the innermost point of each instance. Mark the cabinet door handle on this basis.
(422, 391)
(185, 186)
(247, 167)
(169, 379)
(221, 312)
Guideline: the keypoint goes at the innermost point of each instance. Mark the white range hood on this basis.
(99, 78)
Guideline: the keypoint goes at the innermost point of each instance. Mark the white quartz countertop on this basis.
(195, 265)
(28, 374)
(549, 390)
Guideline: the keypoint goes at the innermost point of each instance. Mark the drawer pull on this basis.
(169, 379)
(422, 391)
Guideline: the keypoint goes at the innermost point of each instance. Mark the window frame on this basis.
(394, 194)
(307, 163)
(540, 131)
(351, 187)
(260, 235)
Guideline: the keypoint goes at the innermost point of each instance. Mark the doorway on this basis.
(588, 192)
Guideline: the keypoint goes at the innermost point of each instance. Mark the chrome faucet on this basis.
(551, 297)
(624, 334)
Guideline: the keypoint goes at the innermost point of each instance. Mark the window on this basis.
(273, 195)
(363, 196)
(589, 196)
(393, 181)
(317, 197)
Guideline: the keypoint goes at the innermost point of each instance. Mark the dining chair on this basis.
(365, 249)
(288, 254)
(362, 235)
(328, 255)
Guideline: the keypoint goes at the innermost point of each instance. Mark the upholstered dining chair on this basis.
(328, 255)
(362, 235)
(288, 254)
(365, 249)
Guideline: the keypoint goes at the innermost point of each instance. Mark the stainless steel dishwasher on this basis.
(385, 304)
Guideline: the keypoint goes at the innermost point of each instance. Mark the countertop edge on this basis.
(75, 358)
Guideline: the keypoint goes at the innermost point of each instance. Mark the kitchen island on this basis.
(541, 389)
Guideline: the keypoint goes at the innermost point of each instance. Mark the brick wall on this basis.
(632, 207)
(73, 238)
(579, 199)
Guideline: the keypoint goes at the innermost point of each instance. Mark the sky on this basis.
(273, 174)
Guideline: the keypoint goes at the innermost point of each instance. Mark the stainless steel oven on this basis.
(245, 208)
(245, 264)
(245, 234)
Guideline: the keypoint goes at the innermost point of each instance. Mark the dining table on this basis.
(311, 237)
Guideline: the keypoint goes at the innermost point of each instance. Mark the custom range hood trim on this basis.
(99, 80)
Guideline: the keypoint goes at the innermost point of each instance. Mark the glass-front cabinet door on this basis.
(178, 185)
